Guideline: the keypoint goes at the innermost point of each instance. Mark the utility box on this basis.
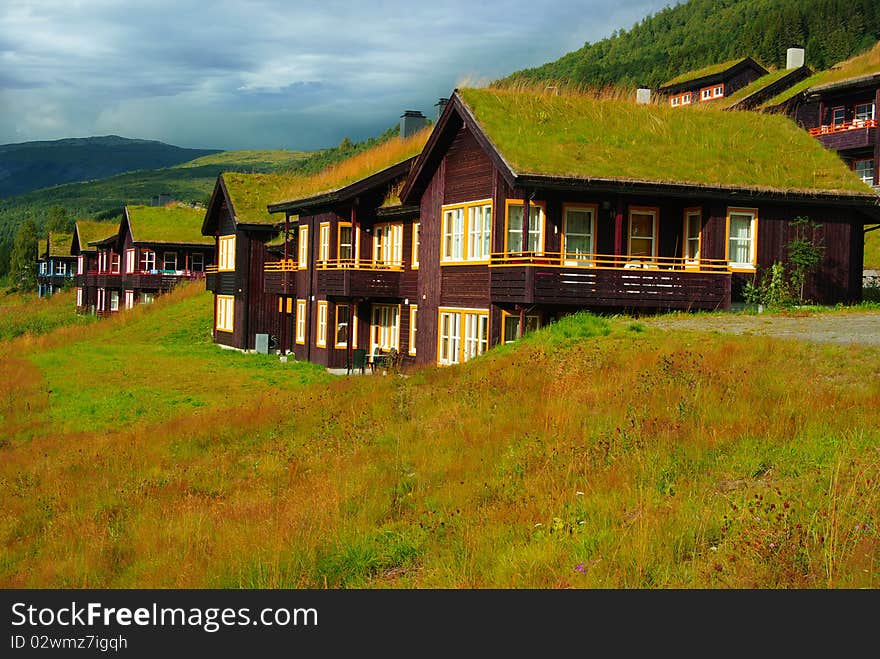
(262, 344)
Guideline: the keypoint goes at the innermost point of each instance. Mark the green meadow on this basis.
(595, 453)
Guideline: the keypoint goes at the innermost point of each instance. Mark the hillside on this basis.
(32, 165)
(630, 457)
(699, 33)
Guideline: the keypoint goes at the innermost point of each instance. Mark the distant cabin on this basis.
(55, 264)
(711, 83)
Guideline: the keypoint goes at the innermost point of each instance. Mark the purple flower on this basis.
(580, 567)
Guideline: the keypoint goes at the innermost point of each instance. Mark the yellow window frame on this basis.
(225, 309)
(352, 326)
(301, 322)
(303, 247)
(226, 255)
(413, 327)
(448, 259)
(321, 325)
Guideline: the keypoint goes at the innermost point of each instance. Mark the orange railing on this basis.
(290, 265)
(606, 261)
(841, 127)
(211, 270)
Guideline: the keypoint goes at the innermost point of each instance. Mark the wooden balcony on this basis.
(361, 279)
(279, 277)
(847, 135)
(610, 281)
(211, 278)
(84, 280)
(107, 279)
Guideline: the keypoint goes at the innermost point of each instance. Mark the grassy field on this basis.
(597, 453)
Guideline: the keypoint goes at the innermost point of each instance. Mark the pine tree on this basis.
(23, 259)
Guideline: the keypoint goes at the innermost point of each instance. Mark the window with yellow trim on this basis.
(225, 313)
(385, 327)
(344, 325)
(510, 329)
(466, 232)
(301, 322)
(324, 242)
(413, 326)
(321, 328)
(513, 238)
(693, 227)
(415, 245)
(742, 231)
(225, 259)
(303, 248)
(388, 244)
(578, 234)
(462, 334)
(346, 246)
(642, 235)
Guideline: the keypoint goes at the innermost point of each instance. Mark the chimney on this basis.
(643, 95)
(411, 122)
(794, 58)
(440, 105)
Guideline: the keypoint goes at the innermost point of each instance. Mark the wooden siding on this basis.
(855, 138)
(429, 268)
(469, 171)
(465, 286)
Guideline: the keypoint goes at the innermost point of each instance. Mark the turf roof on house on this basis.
(251, 193)
(91, 231)
(761, 83)
(168, 224)
(59, 243)
(577, 136)
(358, 167)
(696, 74)
(865, 64)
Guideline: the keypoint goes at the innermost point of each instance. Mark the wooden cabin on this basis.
(348, 280)
(86, 232)
(55, 264)
(533, 206)
(154, 249)
(839, 107)
(711, 83)
(242, 230)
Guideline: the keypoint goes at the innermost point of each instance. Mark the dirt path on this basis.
(843, 327)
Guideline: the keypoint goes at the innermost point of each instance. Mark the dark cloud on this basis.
(267, 74)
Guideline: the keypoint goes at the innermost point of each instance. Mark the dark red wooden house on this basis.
(85, 254)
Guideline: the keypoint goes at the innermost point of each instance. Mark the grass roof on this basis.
(251, 193)
(696, 74)
(761, 83)
(581, 136)
(867, 63)
(359, 166)
(91, 231)
(168, 224)
(59, 243)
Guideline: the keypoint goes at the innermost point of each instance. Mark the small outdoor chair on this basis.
(357, 361)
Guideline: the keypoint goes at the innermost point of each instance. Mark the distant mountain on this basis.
(33, 165)
(697, 33)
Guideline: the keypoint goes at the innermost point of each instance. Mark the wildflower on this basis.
(580, 567)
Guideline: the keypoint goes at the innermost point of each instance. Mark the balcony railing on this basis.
(843, 126)
(610, 281)
(361, 278)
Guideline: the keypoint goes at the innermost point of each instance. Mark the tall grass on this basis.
(596, 453)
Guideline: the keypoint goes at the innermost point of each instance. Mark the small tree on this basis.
(57, 220)
(23, 258)
(805, 252)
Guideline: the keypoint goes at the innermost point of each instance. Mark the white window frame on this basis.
(129, 260)
(351, 323)
(79, 296)
(351, 247)
(866, 116)
(539, 231)
(462, 334)
(193, 266)
(388, 244)
(413, 327)
(60, 269)
(384, 327)
(114, 262)
(873, 169)
(691, 214)
(416, 240)
(147, 260)
(588, 258)
(114, 300)
(101, 299)
(129, 299)
(642, 210)
(530, 319)
(752, 214)
(80, 264)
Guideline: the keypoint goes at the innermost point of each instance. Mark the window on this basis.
(146, 298)
(114, 300)
(197, 262)
(285, 302)
(718, 91)
(513, 239)
(463, 334)
(838, 116)
(114, 262)
(169, 261)
(42, 267)
(226, 258)
(60, 268)
(102, 261)
(511, 325)
(346, 249)
(303, 248)
(413, 315)
(301, 321)
(642, 232)
(864, 111)
(385, 327)
(864, 169)
(148, 259)
(578, 229)
(130, 257)
(324, 242)
(676, 101)
(102, 299)
(321, 329)
(415, 245)
(693, 224)
(388, 244)
(80, 264)
(686, 98)
(742, 225)
(467, 232)
(344, 325)
(129, 299)
(225, 312)
(705, 94)
(79, 296)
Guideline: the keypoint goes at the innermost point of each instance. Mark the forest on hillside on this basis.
(698, 33)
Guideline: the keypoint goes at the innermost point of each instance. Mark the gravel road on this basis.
(833, 327)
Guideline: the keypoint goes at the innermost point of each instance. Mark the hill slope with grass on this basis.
(629, 457)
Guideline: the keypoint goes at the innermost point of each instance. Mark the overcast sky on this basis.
(268, 74)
